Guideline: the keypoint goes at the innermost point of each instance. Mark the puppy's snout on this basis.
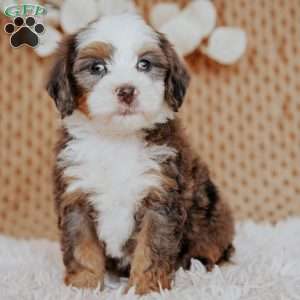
(126, 94)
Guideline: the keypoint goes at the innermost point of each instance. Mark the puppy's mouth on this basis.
(125, 111)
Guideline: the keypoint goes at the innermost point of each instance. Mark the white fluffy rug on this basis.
(266, 266)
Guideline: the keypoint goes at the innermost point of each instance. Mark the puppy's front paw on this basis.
(149, 281)
(84, 278)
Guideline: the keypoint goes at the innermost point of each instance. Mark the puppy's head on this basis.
(120, 73)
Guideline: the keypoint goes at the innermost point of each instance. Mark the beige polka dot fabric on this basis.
(27, 135)
(244, 120)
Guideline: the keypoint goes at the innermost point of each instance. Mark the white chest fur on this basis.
(118, 173)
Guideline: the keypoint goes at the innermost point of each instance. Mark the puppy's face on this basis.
(120, 73)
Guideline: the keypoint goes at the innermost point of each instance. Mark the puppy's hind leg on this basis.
(211, 229)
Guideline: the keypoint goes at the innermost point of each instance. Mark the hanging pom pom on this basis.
(75, 14)
(191, 26)
(49, 41)
(162, 13)
(226, 45)
(115, 7)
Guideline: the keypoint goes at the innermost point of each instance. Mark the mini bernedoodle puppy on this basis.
(131, 196)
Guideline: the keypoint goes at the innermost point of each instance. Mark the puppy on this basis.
(131, 196)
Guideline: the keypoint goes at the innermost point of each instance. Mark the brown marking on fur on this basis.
(146, 275)
(87, 254)
(96, 50)
(90, 272)
(83, 106)
(83, 278)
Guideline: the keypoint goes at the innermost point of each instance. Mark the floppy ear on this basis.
(177, 77)
(61, 83)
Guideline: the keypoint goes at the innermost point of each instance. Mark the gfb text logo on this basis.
(24, 30)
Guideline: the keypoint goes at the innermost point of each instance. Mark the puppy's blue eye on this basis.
(144, 65)
(98, 68)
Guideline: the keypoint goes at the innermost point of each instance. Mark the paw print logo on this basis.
(24, 32)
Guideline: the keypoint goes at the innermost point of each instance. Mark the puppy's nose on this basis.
(126, 94)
